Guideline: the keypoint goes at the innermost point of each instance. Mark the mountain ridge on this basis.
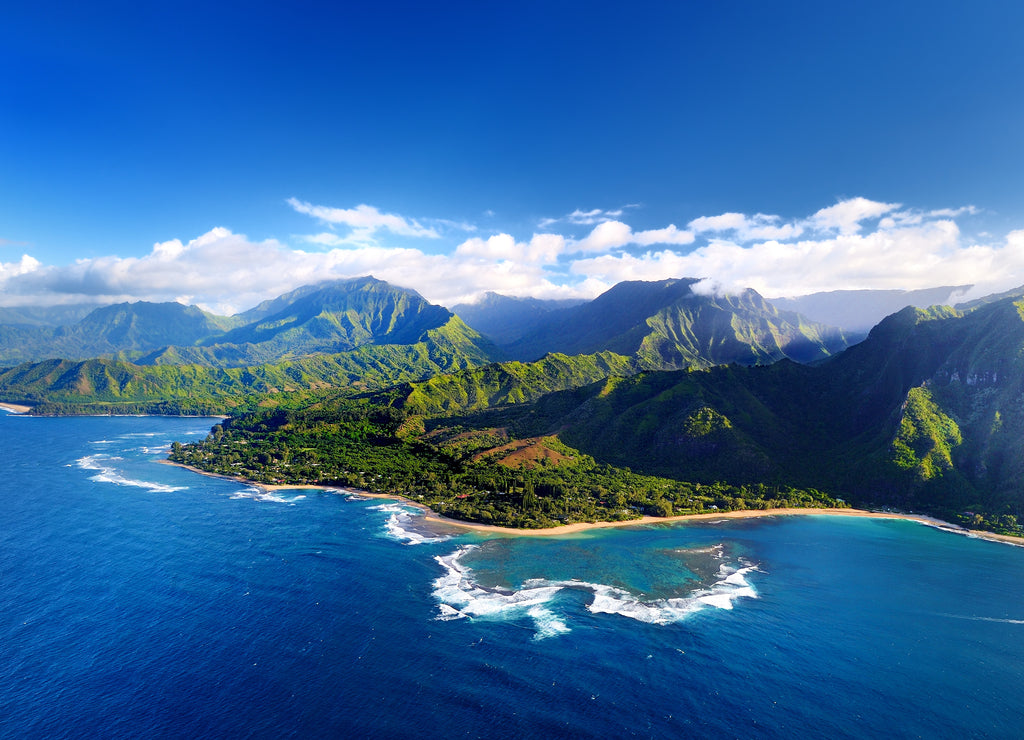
(668, 325)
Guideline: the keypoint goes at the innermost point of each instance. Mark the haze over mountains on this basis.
(856, 311)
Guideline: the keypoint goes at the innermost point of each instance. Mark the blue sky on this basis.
(222, 153)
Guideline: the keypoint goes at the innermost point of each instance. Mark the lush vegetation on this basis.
(481, 475)
(112, 386)
(666, 325)
(923, 415)
(328, 318)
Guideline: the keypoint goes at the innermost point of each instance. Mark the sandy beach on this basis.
(15, 408)
(433, 517)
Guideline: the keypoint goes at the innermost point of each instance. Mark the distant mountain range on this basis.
(328, 318)
(664, 324)
(856, 311)
(367, 333)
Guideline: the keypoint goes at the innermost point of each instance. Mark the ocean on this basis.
(139, 599)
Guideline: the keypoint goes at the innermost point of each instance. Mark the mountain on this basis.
(856, 311)
(331, 317)
(924, 414)
(136, 327)
(122, 328)
(339, 316)
(351, 336)
(665, 324)
(43, 315)
(506, 319)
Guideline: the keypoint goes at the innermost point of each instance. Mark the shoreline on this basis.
(433, 517)
(15, 408)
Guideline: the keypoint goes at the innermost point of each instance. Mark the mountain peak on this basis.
(667, 325)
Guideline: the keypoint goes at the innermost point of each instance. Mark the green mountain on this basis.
(502, 384)
(351, 336)
(328, 318)
(340, 316)
(112, 386)
(667, 325)
(128, 328)
(925, 415)
(135, 327)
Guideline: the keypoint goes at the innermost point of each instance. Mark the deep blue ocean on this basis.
(138, 599)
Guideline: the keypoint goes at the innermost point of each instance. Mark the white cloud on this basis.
(846, 216)
(594, 216)
(587, 218)
(747, 228)
(605, 236)
(542, 248)
(614, 234)
(669, 235)
(23, 266)
(364, 220)
(225, 272)
(918, 256)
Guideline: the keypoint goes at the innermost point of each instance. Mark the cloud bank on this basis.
(853, 244)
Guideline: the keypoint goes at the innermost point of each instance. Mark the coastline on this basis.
(433, 517)
(15, 408)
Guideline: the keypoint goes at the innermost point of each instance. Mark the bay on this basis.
(139, 599)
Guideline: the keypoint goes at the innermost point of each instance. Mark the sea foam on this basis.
(401, 524)
(460, 595)
(107, 473)
(258, 494)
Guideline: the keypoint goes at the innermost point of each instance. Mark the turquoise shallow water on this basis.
(140, 599)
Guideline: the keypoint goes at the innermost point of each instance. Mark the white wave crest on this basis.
(258, 494)
(401, 525)
(459, 596)
(109, 474)
(971, 618)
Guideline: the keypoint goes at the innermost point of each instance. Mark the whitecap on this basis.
(548, 623)
(972, 618)
(459, 596)
(401, 524)
(109, 474)
(259, 494)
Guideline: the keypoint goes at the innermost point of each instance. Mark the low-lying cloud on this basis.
(853, 244)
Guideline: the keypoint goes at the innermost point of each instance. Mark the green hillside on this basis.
(327, 318)
(103, 386)
(667, 325)
(924, 415)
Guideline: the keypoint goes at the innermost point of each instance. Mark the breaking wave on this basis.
(460, 596)
(259, 494)
(107, 473)
(402, 525)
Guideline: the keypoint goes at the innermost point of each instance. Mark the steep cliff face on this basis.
(667, 325)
